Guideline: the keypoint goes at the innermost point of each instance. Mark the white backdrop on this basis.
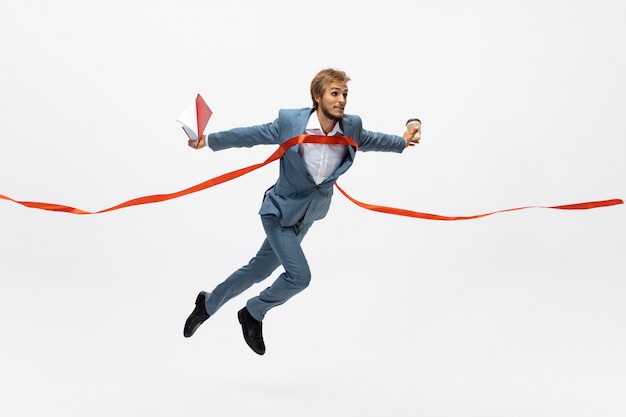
(515, 314)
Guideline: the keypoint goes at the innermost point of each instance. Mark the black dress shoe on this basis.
(252, 331)
(197, 316)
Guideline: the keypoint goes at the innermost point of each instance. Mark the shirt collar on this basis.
(314, 124)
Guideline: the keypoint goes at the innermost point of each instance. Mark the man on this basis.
(301, 195)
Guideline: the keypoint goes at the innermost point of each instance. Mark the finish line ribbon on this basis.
(329, 140)
(428, 216)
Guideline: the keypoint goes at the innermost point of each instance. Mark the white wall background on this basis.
(516, 314)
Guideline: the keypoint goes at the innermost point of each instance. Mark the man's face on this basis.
(333, 102)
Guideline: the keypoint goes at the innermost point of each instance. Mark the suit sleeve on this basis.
(244, 137)
(372, 141)
(381, 142)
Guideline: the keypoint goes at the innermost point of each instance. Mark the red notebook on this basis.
(195, 118)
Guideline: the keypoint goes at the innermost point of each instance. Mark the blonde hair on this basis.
(321, 80)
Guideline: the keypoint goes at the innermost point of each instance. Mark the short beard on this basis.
(328, 115)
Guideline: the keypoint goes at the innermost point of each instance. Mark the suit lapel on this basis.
(348, 130)
(299, 123)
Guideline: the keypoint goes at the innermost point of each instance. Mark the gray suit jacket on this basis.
(295, 197)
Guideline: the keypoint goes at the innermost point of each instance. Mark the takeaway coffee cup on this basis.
(411, 123)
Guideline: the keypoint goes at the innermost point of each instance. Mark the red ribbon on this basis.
(329, 140)
(428, 216)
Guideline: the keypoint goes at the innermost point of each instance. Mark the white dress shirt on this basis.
(320, 159)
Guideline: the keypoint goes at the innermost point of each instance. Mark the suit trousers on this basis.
(281, 247)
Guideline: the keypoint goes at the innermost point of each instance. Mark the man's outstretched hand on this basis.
(197, 144)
